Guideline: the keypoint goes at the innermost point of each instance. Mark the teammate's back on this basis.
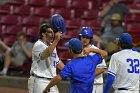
(128, 73)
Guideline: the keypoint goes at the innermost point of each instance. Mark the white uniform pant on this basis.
(125, 91)
(97, 88)
(37, 85)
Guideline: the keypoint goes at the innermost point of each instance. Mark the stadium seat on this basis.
(13, 30)
(32, 33)
(132, 18)
(72, 32)
(30, 21)
(37, 3)
(63, 41)
(63, 52)
(73, 23)
(16, 2)
(126, 1)
(90, 15)
(9, 20)
(10, 39)
(78, 4)
(133, 27)
(96, 24)
(4, 9)
(66, 13)
(22, 10)
(58, 3)
(42, 12)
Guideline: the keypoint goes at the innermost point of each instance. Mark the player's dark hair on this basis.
(21, 34)
(43, 28)
(76, 52)
(125, 46)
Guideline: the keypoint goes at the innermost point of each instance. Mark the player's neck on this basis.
(77, 55)
(86, 46)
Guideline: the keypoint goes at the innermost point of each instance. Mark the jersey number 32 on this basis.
(134, 65)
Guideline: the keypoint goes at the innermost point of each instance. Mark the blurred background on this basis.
(26, 15)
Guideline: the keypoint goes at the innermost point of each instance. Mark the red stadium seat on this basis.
(4, 9)
(9, 20)
(42, 12)
(58, 3)
(13, 30)
(126, 1)
(16, 2)
(30, 21)
(37, 3)
(10, 39)
(32, 33)
(132, 18)
(63, 53)
(90, 14)
(133, 29)
(96, 24)
(22, 10)
(73, 23)
(78, 4)
(66, 13)
(72, 33)
(10, 30)
(63, 40)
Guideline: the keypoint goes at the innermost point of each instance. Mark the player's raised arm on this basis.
(58, 26)
(99, 51)
(50, 49)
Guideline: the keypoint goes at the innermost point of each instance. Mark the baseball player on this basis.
(81, 69)
(124, 68)
(86, 36)
(45, 60)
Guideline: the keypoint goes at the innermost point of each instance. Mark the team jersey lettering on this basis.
(53, 55)
(134, 65)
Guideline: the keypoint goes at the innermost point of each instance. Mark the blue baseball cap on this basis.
(75, 44)
(125, 38)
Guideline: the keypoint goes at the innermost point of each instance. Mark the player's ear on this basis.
(71, 51)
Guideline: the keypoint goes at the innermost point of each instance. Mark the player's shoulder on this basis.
(38, 44)
(117, 54)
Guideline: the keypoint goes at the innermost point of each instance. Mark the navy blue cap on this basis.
(125, 38)
(75, 44)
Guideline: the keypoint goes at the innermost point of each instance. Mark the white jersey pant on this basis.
(37, 85)
(125, 91)
(97, 88)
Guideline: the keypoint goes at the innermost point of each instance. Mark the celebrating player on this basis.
(45, 60)
(81, 69)
(124, 68)
(86, 37)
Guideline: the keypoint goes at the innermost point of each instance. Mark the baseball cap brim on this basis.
(67, 44)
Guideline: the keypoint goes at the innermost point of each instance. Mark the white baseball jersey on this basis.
(125, 66)
(98, 79)
(43, 68)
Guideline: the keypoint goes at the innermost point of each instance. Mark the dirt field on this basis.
(12, 90)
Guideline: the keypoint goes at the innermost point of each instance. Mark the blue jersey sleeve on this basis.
(109, 82)
(97, 58)
(66, 72)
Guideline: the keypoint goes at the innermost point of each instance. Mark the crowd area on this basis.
(37, 56)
